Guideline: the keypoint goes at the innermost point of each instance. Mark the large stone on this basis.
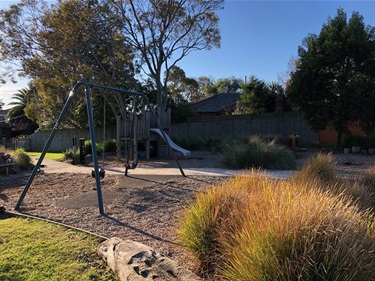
(133, 261)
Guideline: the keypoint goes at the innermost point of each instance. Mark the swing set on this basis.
(98, 172)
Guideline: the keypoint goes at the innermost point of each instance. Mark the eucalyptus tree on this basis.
(163, 32)
(56, 45)
(223, 86)
(333, 84)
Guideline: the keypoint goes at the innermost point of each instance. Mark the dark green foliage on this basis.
(333, 84)
(258, 153)
(109, 146)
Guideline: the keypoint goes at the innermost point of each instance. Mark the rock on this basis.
(135, 261)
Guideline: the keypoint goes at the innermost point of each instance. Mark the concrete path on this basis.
(51, 166)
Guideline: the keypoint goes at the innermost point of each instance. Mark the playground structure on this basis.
(127, 136)
(144, 131)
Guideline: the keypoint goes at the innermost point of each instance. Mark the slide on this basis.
(174, 146)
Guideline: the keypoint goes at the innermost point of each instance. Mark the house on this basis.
(220, 104)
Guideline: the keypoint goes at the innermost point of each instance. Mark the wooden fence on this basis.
(63, 138)
(280, 125)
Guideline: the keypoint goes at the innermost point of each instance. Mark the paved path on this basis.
(51, 166)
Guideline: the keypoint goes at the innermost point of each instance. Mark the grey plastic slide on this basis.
(174, 146)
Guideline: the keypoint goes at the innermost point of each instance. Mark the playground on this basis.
(139, 207)
(142, 208)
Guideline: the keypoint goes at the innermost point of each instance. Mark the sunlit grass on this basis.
(57, 156)
(255, 228)
(35, 250)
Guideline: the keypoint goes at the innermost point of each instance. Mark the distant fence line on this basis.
(280, 125)
(63, 138)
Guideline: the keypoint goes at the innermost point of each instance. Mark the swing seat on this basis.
(101, 173)
(133, 166)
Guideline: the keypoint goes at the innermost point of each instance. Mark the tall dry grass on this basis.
(255, 228)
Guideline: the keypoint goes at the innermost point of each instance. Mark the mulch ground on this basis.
(140, 208)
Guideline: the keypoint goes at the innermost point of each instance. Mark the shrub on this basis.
(320, 166)
(215, 144)
(259, 153)
(236, 155)
(68, 154)
(202, 221)
(195, 144)
(254, 228)
(88, 147)
(109, 146)
(22, 159)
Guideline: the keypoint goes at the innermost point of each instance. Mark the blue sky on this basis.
(258, 37)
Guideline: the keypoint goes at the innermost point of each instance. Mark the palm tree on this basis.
(22, 98)
(16, 113)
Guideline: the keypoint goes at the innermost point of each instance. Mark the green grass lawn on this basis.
(58, 156)
(36, 250)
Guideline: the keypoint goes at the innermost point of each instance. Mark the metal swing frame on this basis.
(87, 86)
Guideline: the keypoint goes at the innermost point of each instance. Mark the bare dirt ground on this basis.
(140, 208)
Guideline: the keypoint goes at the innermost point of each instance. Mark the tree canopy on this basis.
(258, 97)
(333, 84)
(60, 44)
(163, 32)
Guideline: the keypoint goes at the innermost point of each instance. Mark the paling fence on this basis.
(63, 138)
(281, 125)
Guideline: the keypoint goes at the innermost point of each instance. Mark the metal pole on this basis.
(93, 146)
(46, 146)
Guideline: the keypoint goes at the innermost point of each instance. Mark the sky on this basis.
(257, 37)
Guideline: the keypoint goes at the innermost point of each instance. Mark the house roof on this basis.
(216, 103)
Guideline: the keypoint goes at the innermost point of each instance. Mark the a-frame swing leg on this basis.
(51, 136)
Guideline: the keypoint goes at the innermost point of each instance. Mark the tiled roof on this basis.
(217, 103)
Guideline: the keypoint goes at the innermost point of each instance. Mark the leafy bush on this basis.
(258, 153)
(254, 228)
(109, 146)
(88, 147)
(21, 159)
(68, 154)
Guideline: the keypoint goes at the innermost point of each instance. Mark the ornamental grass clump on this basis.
(320, 167)
(255, 228)
(21, 159)
(367, 180)
(258, 152)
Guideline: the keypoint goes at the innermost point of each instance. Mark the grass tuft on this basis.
(255, 228)
(21, 159)
(320, 167)
(258, 152)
